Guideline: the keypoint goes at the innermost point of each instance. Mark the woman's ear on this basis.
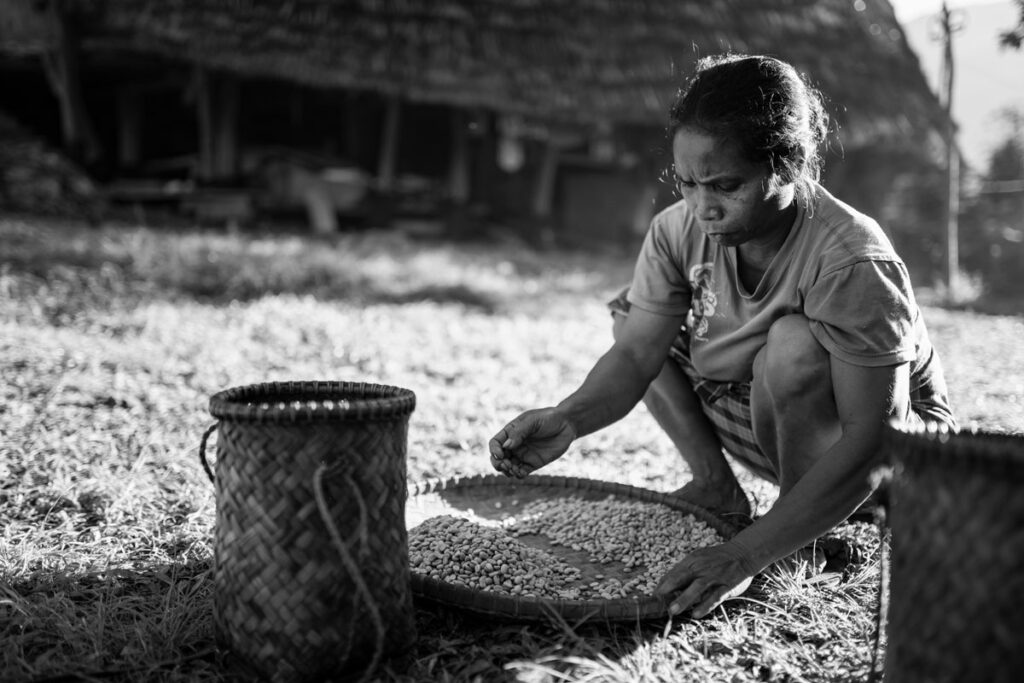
(774, 182)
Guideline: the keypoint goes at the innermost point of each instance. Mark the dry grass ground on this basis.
(113, 339)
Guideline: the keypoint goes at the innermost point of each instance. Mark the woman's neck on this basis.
(758, 253)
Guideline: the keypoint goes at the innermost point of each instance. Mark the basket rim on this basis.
(936, 444)
(312, 400)
(518, 608)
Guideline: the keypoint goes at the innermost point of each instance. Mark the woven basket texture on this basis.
(493, 498)
(956, 606)
(311, 570)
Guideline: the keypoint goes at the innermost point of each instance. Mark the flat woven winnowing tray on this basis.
(495, 498)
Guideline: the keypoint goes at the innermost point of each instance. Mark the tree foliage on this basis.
(1014, 38)
(993, 239)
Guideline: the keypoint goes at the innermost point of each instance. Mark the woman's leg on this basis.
(670, 399)
(795, 420)
(792, 405)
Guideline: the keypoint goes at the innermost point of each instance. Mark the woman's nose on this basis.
(708, 209)
(713, 213)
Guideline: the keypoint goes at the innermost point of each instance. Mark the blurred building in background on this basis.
(548, 117)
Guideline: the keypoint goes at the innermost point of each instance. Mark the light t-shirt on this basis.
(836, 267)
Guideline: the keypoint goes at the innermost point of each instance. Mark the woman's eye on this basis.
(680, 184)
(727, 187)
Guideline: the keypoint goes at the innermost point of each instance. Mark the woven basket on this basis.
(956, 606)
(496, 497)
(311, 572)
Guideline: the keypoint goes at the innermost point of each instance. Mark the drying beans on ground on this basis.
(638, 542)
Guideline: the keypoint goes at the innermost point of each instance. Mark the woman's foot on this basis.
(728, 502)
(829, 554)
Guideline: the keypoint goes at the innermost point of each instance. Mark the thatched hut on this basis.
(550, 109)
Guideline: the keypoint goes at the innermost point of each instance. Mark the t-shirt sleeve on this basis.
(863, 313)
(659, 282)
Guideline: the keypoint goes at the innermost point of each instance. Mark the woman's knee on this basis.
(791, 401)
(792, 362)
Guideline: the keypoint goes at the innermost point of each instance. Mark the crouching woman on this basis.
(766, 318)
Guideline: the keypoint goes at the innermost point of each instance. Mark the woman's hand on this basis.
(530, 441)
(706, 578)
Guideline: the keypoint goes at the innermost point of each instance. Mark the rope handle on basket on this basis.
(350, 565)
(202, 449)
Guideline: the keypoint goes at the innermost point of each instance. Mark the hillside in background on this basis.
(987, 78)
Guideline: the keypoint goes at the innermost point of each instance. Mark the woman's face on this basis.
(734, 200)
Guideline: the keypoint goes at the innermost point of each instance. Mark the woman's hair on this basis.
(763, 105)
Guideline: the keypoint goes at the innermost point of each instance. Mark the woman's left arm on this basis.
(827, 494)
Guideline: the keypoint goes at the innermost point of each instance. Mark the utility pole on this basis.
(950, 23)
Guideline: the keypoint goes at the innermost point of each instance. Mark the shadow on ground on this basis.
(118, 625)
(156, 624)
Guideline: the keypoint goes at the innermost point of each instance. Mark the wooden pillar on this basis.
(296, 110)
(204, 110)
(483, 150)
(63, 71)
(352, 149)
(217, 109)
(226, 134)
(544, 190)
(388, 162)
(129, 128)
(458, 174)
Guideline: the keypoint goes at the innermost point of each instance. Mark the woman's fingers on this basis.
(501, 463)
(675, 578)
(691, 595)
(703, 580)
(718, 595)
(529, 442)
(502, 447)
(510, 436)
(714, 598)
(700, 596)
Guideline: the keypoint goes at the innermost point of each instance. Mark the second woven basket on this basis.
(957, 575)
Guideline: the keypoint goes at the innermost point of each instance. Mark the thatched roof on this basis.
(585, 61)
(24, 28)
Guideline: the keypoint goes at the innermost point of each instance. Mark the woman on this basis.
(765, 317)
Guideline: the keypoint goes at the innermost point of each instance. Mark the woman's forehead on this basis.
(698, 153)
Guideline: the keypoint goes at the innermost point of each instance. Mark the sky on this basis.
(989, 80)
(908, 10)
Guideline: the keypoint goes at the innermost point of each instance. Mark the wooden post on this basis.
(388, 162)
(544, 191)
(482, 152)
(129, 128)
(204, 109)
(226, 133)
(217, 108)
(458, 175)
(352, 147)
(63, 71)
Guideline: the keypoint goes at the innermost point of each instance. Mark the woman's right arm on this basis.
(611, 389)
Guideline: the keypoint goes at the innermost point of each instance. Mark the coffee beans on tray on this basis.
(637, 542)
